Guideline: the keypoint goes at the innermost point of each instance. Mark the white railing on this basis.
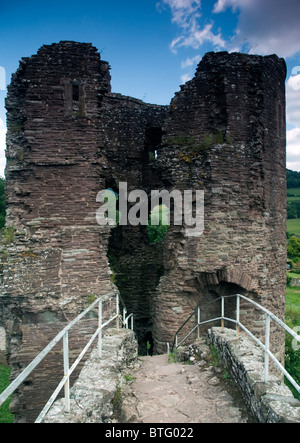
(265, 346)
(64, 336)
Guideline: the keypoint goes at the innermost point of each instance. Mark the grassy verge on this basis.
(5, 415)
(293, 320)
(293, 226)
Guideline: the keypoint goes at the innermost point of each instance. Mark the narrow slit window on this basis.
(75, 93)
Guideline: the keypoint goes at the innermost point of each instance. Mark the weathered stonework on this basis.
(295, 283)
(225, 134)
(271, 402)
(94, 395)
(70, 137)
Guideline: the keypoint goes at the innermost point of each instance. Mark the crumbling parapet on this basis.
(271, 402)
(96, 396)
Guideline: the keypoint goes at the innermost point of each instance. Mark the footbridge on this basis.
(100, 393)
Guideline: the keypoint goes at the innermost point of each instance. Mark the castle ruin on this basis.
(70, 137)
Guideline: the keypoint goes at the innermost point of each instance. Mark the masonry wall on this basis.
(225, 134)
(56, 261)
(69, 137)
(60, 148)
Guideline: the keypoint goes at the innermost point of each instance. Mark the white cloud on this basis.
(186, 78)
(265, 27)
(222, 5)
(190, 61)
(196, 37)
(186, 14)
(293, 149)
(293, 100)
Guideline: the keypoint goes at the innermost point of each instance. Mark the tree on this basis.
(293, 179)
(293, 247)
(293, 210)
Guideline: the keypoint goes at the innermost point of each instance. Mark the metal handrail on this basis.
(63, 335)
(196, 311)
(266, 347)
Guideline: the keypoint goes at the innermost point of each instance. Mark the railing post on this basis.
(267, 348)
(117, 310)
(100, 328)
(66, 371)
(124, 318)
(222, 312)
(131, 322)
(199, 321)
(238, 303)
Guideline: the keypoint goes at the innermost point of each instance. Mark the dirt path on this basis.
(164, 392)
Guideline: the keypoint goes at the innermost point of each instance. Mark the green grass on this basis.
(293, 306)
(292, 320)
(293, 199)
(295, 191)
(5, 415)
(293, 194)
(293, 226)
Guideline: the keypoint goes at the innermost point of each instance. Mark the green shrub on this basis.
(293, 247)
(158, 224)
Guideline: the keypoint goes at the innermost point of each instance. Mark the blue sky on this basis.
(153, 46)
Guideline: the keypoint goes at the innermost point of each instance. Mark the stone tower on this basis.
(232, 118)
(69, 137)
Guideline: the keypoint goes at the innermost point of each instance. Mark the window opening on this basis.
(75, 93)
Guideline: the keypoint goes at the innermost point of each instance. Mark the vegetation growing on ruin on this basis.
(158, 224)
(8, 235)
(190, 148)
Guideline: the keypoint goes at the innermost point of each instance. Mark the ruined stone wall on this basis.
(69, 137)
(225, 134)
(55, 261)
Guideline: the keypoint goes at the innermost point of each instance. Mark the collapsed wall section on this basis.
(134, 131)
